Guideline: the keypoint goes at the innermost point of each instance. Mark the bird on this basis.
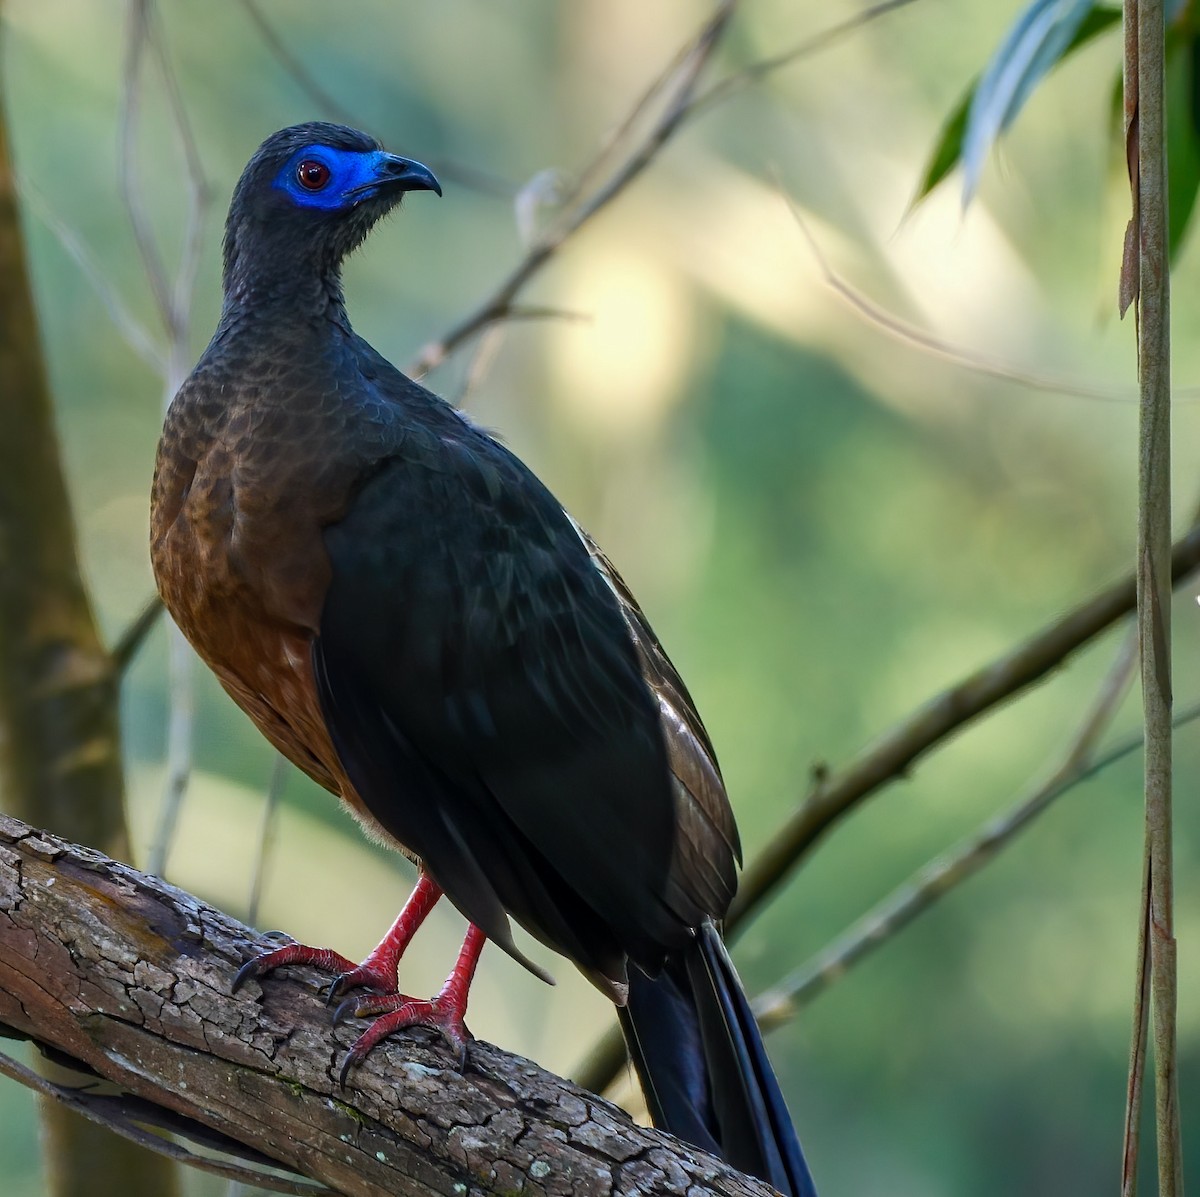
(410, 616)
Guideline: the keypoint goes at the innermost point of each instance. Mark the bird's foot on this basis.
(325, 959)
(444, 1013)
(396, 1012)
(378, 971)
(373, 973)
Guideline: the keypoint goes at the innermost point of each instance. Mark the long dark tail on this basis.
(704, 1069)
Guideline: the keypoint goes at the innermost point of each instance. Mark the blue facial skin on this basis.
(353, 177)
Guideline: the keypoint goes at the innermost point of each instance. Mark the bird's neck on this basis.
(270, 275)
(262, 294)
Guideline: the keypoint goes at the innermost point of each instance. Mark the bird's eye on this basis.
(312, 175)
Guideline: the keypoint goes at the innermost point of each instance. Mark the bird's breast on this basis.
(236, 546)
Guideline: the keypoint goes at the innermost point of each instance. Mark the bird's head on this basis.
(309, 196)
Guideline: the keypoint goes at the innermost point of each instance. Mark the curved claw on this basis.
(350, 1060)
(397, 1013)
(245, 973)
(373, 974)
(347, 1008)
(292, 953)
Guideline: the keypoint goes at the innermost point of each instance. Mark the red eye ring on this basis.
(312, 175)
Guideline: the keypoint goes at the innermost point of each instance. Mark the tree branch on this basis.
(134, 636)
(892, 755)
(129, 1117)
(499, 305)
(130, 977)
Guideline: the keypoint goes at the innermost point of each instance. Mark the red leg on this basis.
(377, 971)
(444, 1013)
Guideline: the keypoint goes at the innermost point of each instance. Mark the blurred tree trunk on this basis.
(60, 763)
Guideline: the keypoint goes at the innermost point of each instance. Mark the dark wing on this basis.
(486, 698)
(708, 837)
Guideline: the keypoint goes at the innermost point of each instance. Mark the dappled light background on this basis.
(825, 525)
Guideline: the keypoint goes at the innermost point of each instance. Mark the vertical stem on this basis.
(1154, 588)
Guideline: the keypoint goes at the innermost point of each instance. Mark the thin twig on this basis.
(486, 350)
(499, 305)
(949, 870)
(110, 1112)
(1127, 292)
(1135, 1085)
(623, 130)
(131, 100)
(180, 723)
(266, 835)
(132, 330)
(132, 638)
(1153, 568)
(781, 1002)
(292, 65)
(174, 302)
(908, 334)
(891, 756)
(199, 198)
(468, 176)
(681, 78)
(758, 71)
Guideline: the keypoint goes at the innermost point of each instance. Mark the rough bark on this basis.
(130, 977)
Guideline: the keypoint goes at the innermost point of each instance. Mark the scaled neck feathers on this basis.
(269, 277)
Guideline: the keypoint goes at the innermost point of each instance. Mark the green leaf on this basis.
(1035, 43)
(948, 149)
(1183, 138)
(1090, 20)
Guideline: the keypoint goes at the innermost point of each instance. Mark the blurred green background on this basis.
(825, 526)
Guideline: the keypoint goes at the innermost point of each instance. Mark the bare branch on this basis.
(266, 833)
(936, 879)
(132, 330)
(130, 977)
(180, 722)
(680, 79)
(132, 638)
(302, 76)
(199, 199)
(1131, 1139)
(156, 274)
(174, 302)
(908, 334)
(893, 754)
(121, 1116)
(325, 102)
(758, 71)
(499, 305)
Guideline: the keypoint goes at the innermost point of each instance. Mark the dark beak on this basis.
(404, 174)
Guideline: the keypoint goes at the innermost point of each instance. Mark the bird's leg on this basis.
(444, 1013)
(380, 969)
(377, 971)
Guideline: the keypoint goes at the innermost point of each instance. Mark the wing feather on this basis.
(467, 618)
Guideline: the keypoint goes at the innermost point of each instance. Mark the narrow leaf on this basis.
(1183, 140)
(948, 149)
(1037, 41)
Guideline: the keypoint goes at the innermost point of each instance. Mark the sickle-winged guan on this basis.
(410, 617)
